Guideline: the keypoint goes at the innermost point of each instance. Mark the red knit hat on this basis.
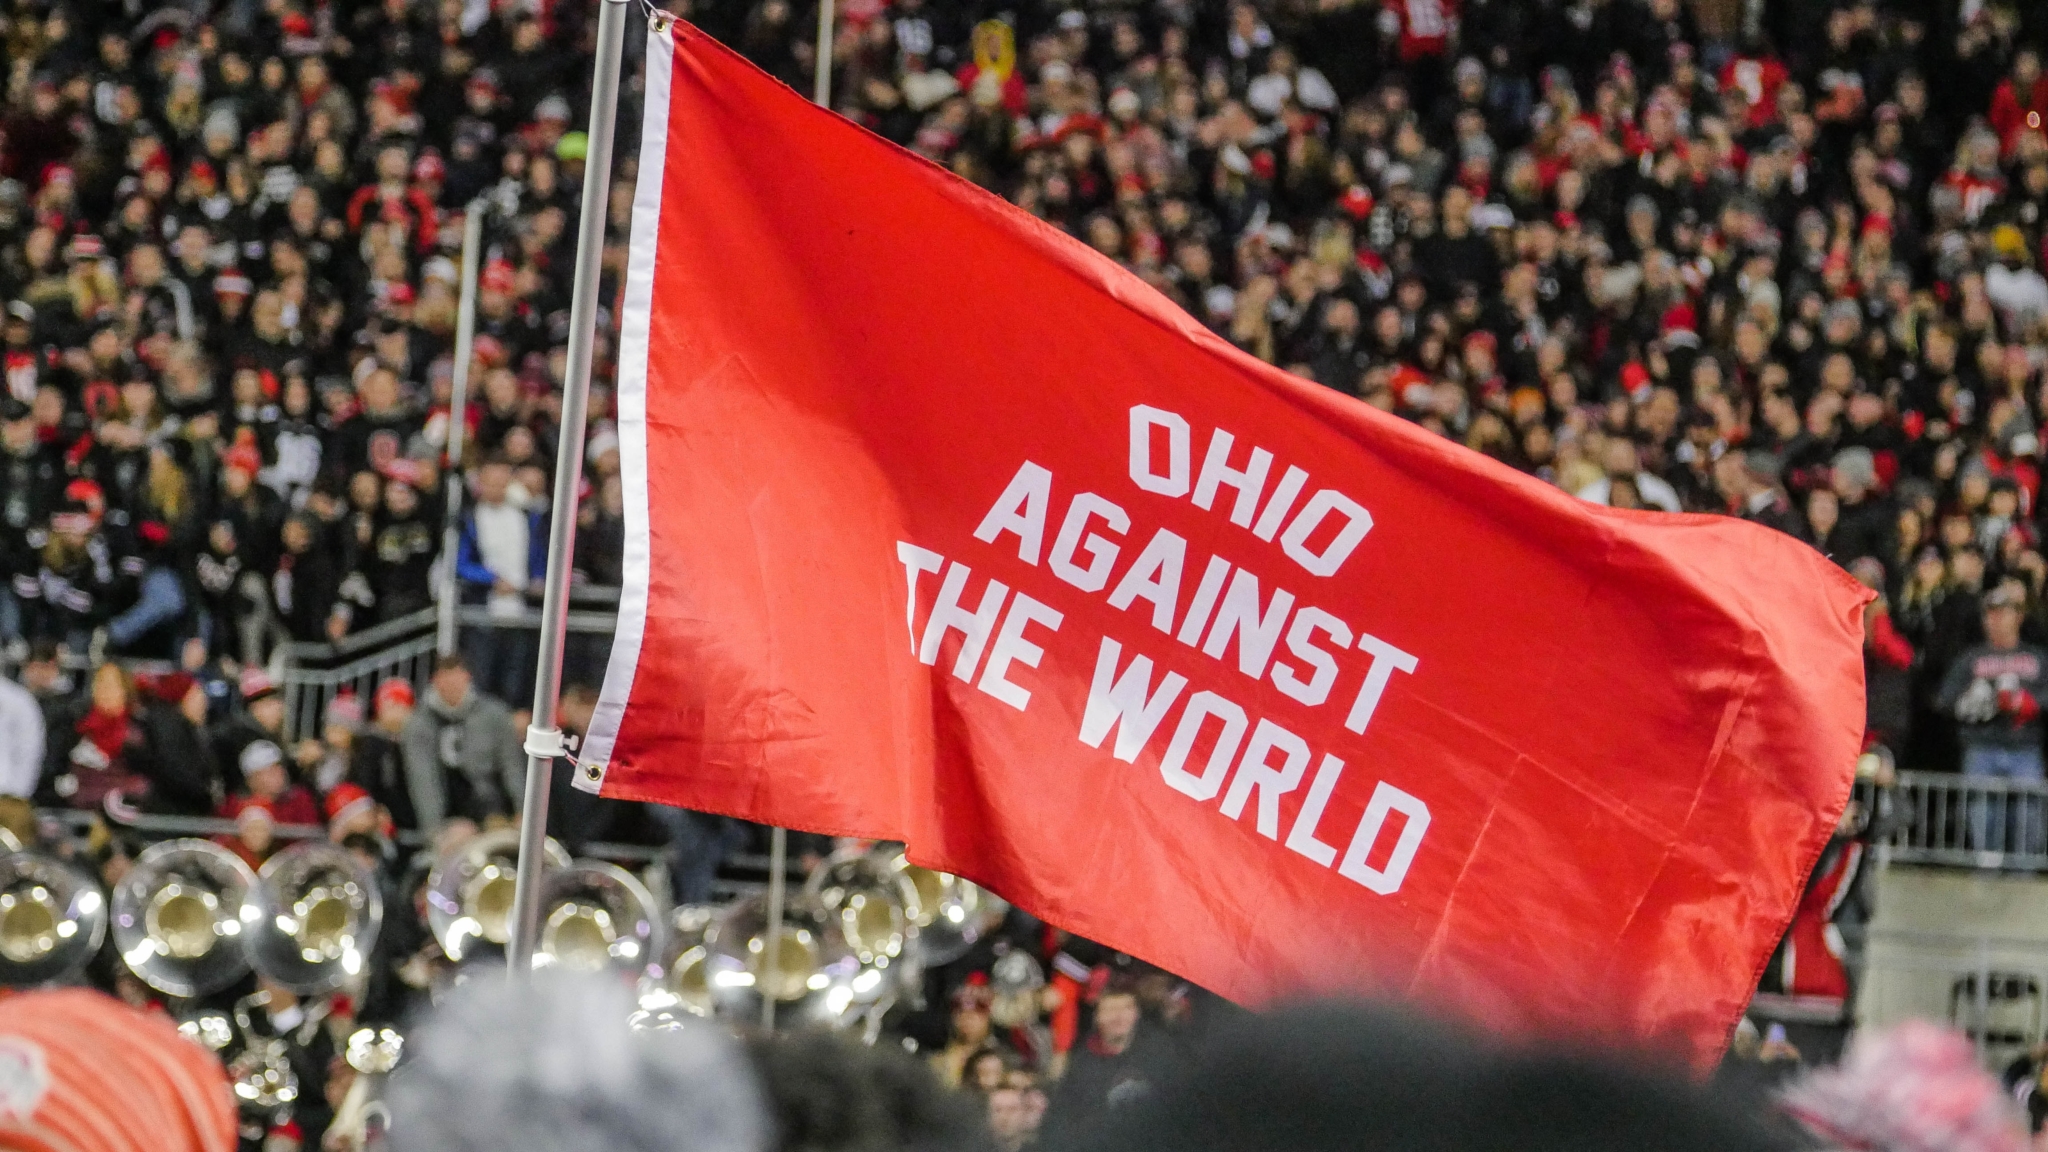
(61, 1049)
(255, 684)
(394, 691)
(346, 800)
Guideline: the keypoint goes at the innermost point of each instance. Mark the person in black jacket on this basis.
(1120, 1064)
(306, 588)
(184, 778)
(262, 718)
(76, 584)
(123, 748)
(1752, 484)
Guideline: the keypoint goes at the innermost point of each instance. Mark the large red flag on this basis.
(943, 528)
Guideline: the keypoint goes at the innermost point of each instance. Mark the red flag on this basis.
(943, 528)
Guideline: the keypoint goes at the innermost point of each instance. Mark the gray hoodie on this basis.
(475, 738)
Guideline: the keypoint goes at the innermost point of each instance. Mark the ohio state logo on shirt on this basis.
(1993, 665)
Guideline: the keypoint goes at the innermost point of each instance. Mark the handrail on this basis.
(407, 627)
(1954, 782)
(158, 824)
(167, 825)
(366, 664)
(1982, 822)
(297, 651)
(478, 616)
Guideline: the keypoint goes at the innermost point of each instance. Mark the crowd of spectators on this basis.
(1775, 260)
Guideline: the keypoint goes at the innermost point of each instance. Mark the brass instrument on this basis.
(810, 967)
(180, 914)
(362, 1117)
(950, 913)
(597, 916)
(265, 1083)
(469, 892)
(874, 905)
(53, 918)
(318, 914)
(210, 1029)
(679, 983)
(871, 901)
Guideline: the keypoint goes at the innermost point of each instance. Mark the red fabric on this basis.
(110, 732)
(1813, 956)
(2010, 115)
(2020, 705)
(1015, 97)
(1065, 1023)
(1426, 27)
(1894, 650)
(1758, 78)
(1586, 756)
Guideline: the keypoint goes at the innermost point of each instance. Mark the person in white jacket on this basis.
(21, 757)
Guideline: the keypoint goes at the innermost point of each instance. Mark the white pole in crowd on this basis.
(458, 404)
(778, 838)
(544, 743)
(821, 85)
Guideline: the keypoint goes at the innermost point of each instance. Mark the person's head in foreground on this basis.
(1354, 1079)
(82, 1072)
(551, 1065)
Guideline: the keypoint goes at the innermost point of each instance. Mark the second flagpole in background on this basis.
(778, 837)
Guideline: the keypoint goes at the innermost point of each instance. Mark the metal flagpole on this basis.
(543, 738)
(771, 974)
(458, 405)
(778, 838)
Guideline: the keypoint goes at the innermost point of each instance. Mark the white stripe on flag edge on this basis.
(631, 393)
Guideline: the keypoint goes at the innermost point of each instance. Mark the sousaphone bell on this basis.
(318, 912)
(873, 904)
(597, 917)
(950, 913)
(53, 918)
(679, 983)
(179, 916)
(469, 893)
(808, 960)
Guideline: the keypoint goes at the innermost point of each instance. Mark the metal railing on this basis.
(1989, 987)
(312, 675)
(1967, 821)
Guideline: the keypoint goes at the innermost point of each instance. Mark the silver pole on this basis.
(543, 738)
(458, 405)
(821, 86)
(778, 854)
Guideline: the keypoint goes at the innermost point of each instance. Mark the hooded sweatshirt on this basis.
(461, 759)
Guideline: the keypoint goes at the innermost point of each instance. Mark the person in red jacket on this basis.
(2020, 104)
(271, 799)
(1887, 663)
(1757, 73)
(394, 198)
(1423, 32)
